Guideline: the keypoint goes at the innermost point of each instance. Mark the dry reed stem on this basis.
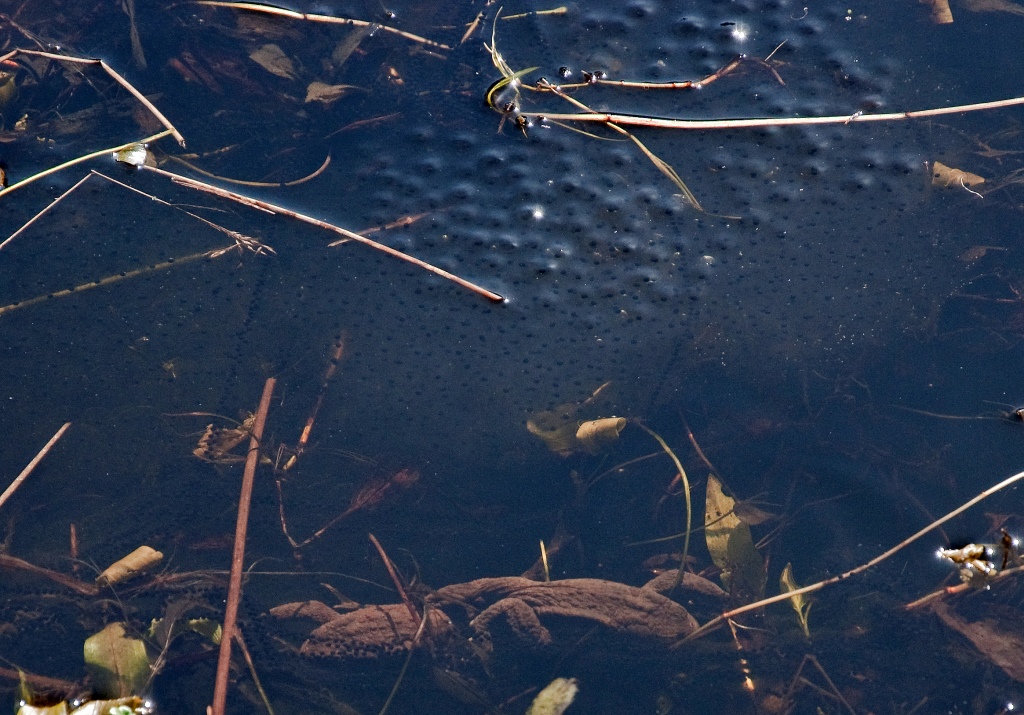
(79, 160)
(717, 621)
(220, 692)
(82, 588)
(661, 165)
(243, 182)
(310, 17)
(65, 688)
(30, 467)
(686, 495)
(43, 211)
(394, 577)
(634, 120)
(274, 209)
(114, 75)
(102, 282)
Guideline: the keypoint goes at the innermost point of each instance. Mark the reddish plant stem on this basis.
(394, 577)
(33, 464)
(220, 691)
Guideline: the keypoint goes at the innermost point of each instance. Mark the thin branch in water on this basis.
(394, 577)
(310, 17)
(30, 467)
(109, 280)
(661, 165)
(43, 211)
(242, 241)
(274, 209)
(242, 182)
(220, 692)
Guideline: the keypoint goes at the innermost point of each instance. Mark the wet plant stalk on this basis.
(220, 692)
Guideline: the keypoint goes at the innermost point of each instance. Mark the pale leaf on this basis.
(273, 59)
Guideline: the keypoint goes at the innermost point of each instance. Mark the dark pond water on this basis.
(827, 284)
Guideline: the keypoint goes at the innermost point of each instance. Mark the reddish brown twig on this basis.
(80, 587)
(300, 446)
(282, 12)
(394, 577)
(274, 209)
(33, 464)
(55, 686)
(368, 497)
(220, 692)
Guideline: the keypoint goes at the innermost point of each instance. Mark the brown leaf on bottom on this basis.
(992, 638)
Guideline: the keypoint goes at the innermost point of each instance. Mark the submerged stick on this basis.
(30, 467)
(43, 211)
(717, 621)
(311, 17)
(220, 692)
(82, 588)
(274, 209)
(116, 278)
(394, 577)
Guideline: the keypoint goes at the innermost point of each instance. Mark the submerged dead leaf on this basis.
(995, 6)
(327, 93)
(595, 435)
(558, 427)
(134, 563)
(751, 515)
(273, 59)
(994, 639)
(976, 253)
(555, 698)
(947, 176)
(802, 607)
(731, 545)
(118, 664)
(941, 14)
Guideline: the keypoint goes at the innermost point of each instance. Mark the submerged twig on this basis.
(116, 278)
(274, 209)
(43, 211)
(220, 692)
(394, 577)
(311, 17)
(266, 184)
(83, 588)
(30, 467)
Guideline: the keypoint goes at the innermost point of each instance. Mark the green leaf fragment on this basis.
(800, 605)
(118, 664)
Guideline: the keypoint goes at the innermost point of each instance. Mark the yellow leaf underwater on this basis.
(731, 545)
(947, 176)
(802, 607)
(273, 59)
(595, 435)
